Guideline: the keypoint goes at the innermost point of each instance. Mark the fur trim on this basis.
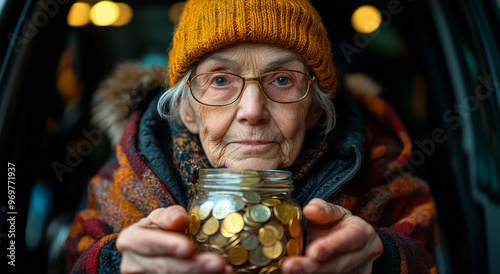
(119, 94)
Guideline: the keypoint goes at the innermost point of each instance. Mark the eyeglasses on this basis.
(224, 88)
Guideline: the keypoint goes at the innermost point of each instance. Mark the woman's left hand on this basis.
(338, 242)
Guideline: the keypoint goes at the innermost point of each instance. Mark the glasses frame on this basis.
(258, 79)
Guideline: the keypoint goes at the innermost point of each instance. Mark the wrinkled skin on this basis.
(253, 132)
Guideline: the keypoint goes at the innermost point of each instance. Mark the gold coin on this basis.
(225, 233)
(233, 222)
(250, 172)
(292, 248)
(273, 270)
(205, 209)
(270, 202)
(263, 270)
(251, 266)
(284, 213)
(294, 228)
(237, 255)
(299, 213)
(279, 229)
(273, 251)
(267, 235)
(250, 176)
(211, 226)
(236, 239)
(194, 224)
(194, 210)
(259, 213)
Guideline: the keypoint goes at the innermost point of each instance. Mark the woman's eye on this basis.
(220, 81)
(282, 81)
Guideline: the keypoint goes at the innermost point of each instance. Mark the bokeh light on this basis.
(104, 13)
(366, 19)
(79, 14)
(125, 15)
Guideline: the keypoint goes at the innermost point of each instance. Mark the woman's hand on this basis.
(338, 242)
(156, 244)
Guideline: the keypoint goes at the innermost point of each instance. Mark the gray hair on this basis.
(176, 96)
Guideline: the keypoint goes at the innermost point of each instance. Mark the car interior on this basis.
(436, 62)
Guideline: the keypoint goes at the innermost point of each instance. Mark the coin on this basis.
(221, 209)
(250, 172)
(201, 236)
(250, 176)
(273, 251)
(233, 222)
(268, 235)
(249, 222)
(205, 210)
(236, 239)
(218, 240)
(284, 213)
(273, 270)
(249, 241)
(260, 213)
(237, 255)
(225, 233)
(271, 202)
(256, 257)
(194, 224)
(279, 229)
(251, 197)
(292, 248)
(294, 228)
(218, 250)
(211, 226)
(237, 203)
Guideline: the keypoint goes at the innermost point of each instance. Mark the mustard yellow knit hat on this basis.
(208, 25)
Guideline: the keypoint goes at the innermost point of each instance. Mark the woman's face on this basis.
(253, 132)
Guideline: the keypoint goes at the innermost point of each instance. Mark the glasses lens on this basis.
(285, 86)
(216, 88)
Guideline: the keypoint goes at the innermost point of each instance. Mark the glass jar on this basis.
(248, 217)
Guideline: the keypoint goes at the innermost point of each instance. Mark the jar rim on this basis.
(216, 178)
(230, 173)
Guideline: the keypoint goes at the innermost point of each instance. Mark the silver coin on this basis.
(251, 197)
(205, 210)
(237, 203)
(257, 257)
(249, 241)
(221, 209)
(260, 213)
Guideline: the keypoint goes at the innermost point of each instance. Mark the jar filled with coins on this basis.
(248, 217)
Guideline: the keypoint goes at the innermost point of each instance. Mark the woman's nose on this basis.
(252, 104)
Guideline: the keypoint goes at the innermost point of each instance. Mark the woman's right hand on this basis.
(157, 244)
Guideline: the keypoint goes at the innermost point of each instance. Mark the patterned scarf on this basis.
(189, 156)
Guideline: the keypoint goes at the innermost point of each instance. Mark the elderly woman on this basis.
(251, 86)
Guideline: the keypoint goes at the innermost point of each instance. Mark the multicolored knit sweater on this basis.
(359, 167)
